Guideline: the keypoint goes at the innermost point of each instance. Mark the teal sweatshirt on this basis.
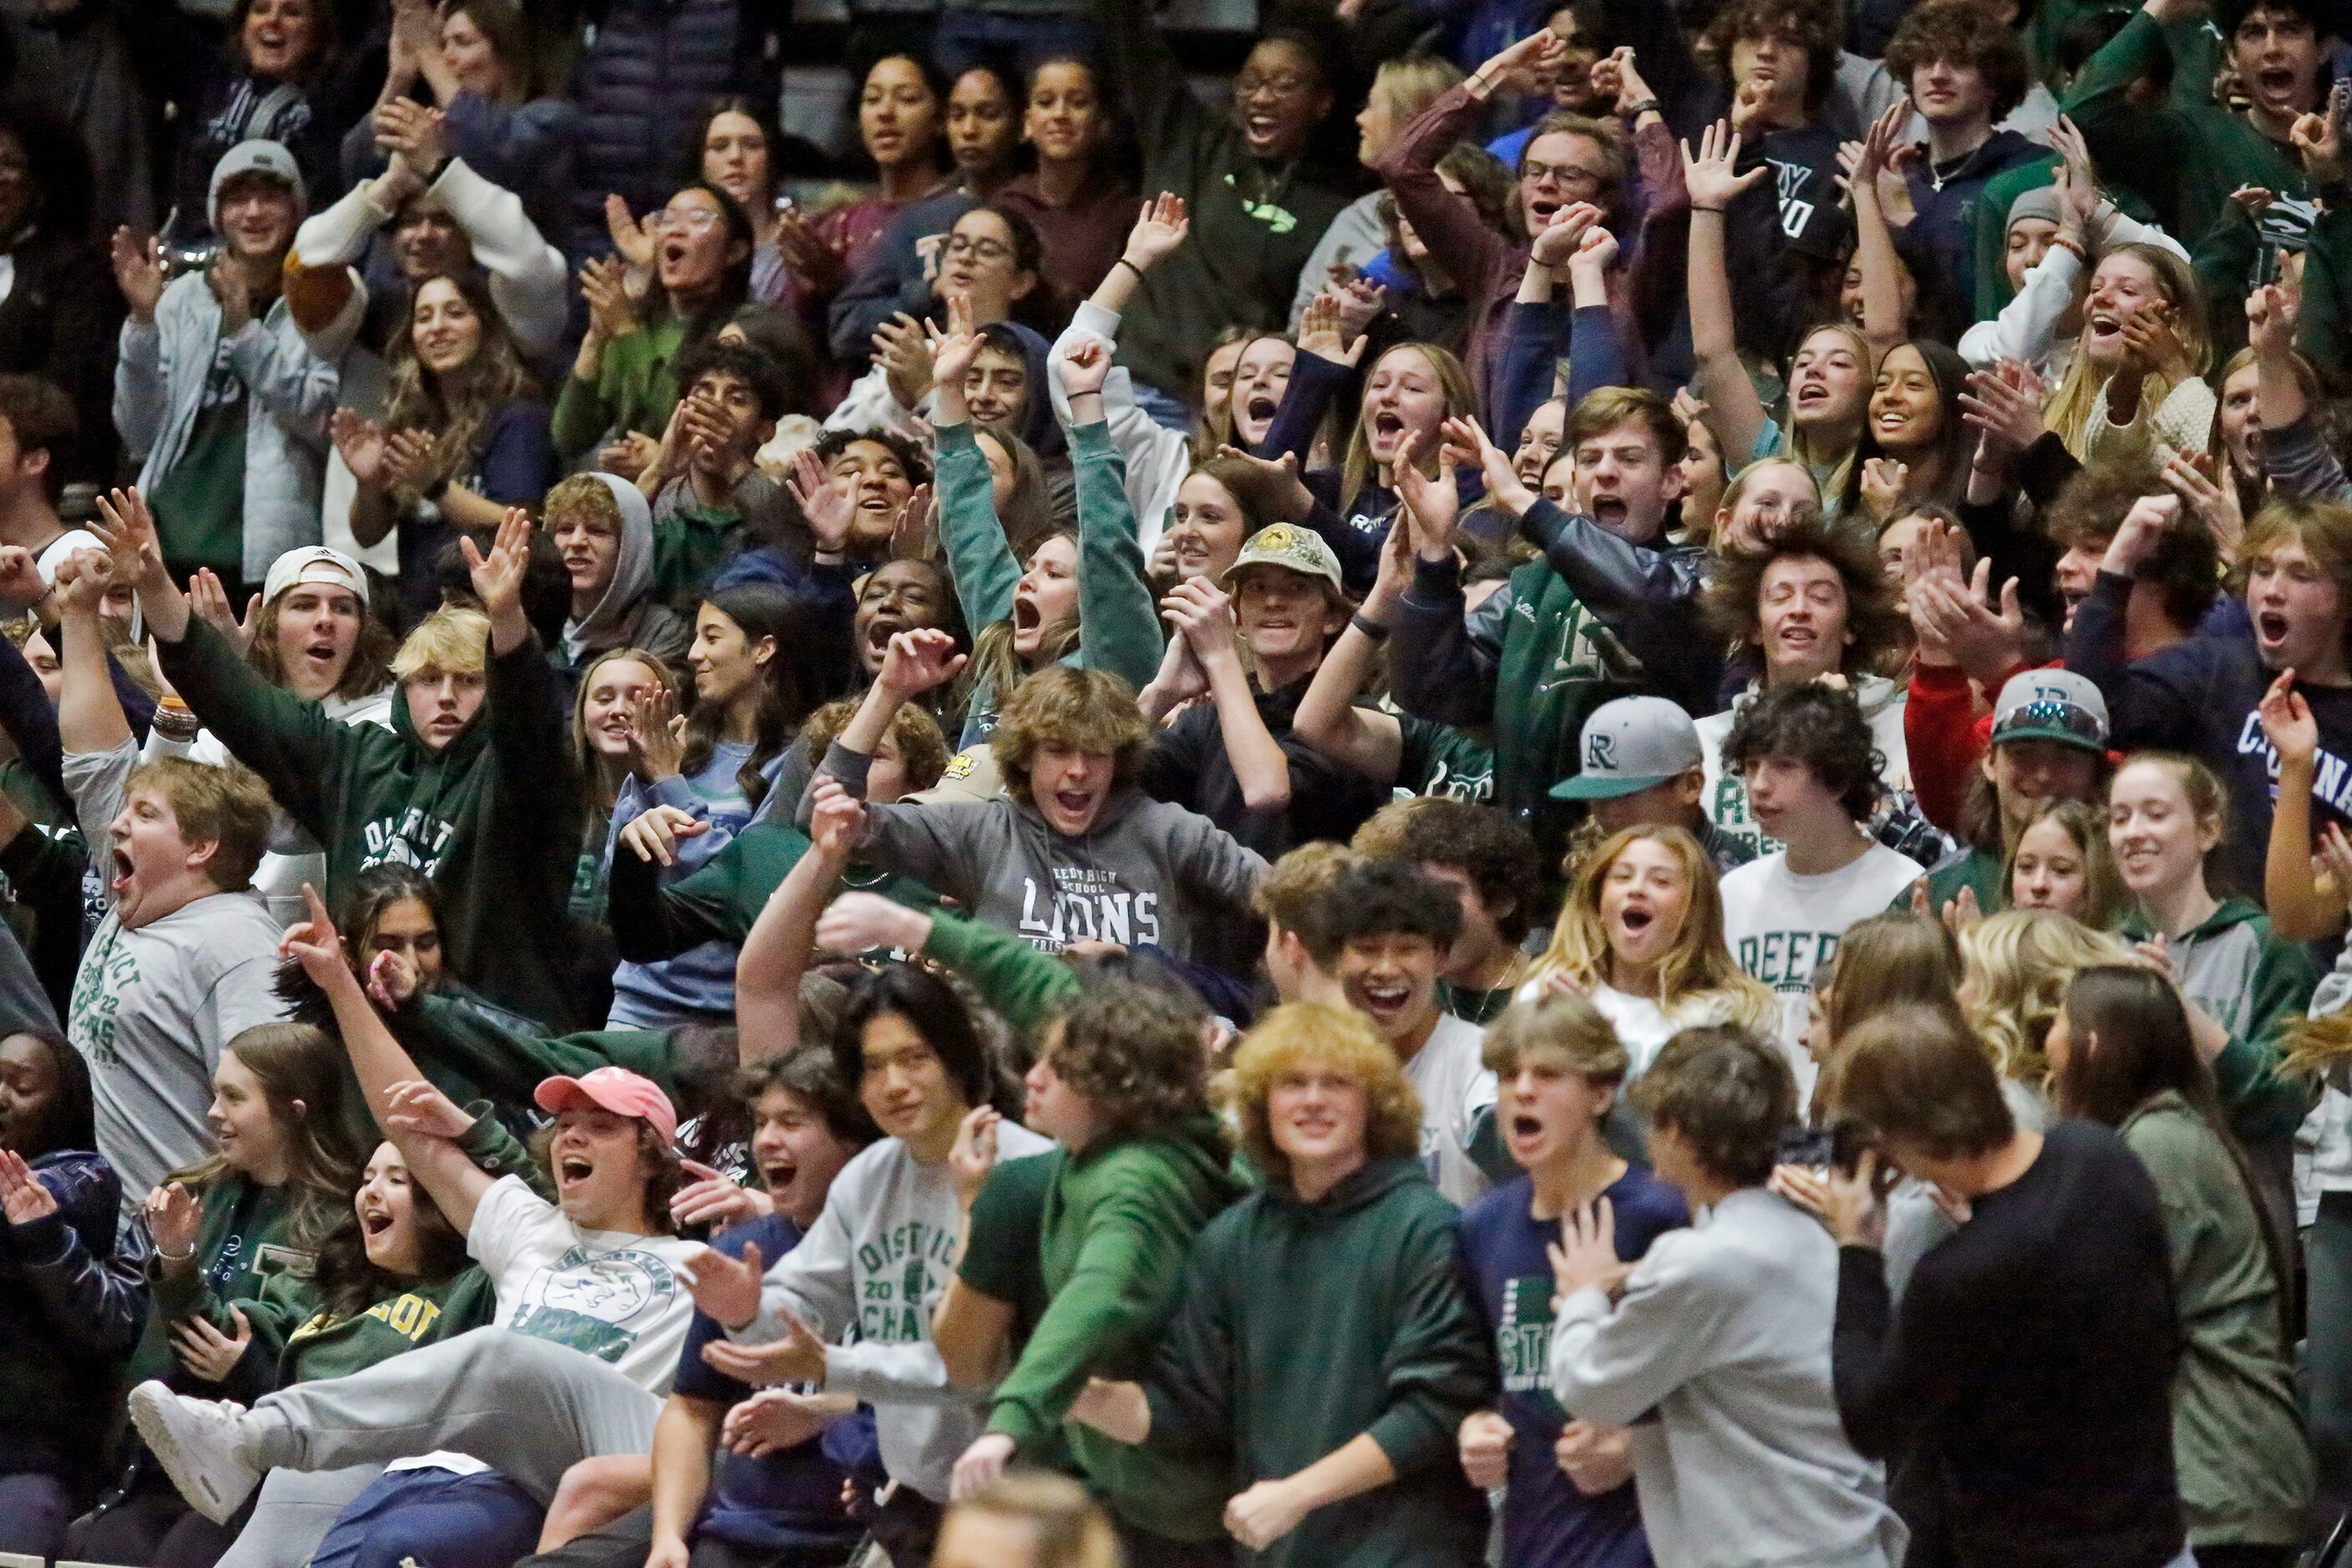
(1305, 1326)
(1119, 1222)
(1118, 623)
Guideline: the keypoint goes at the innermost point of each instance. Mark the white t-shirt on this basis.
(1782, 926)
(1449, 1073)
(606, 1293)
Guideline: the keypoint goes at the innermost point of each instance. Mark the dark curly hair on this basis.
(1961, 33)
(2186, 564)
(1727, 1094)
(1873, 627)
(1819, 726)
(813, 1078)
(1814, 24)
(1135, 1051)
(1382, 898)
(833, 443)
(1484, 842)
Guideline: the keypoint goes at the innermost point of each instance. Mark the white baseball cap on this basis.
(314, 563)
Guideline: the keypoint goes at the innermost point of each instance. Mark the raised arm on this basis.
(1117, 630)
(90, 715)
(1202, 613)
(418, 1119)
(775, 955)
(1882, 271)
(1363, 739)
(1733, 408)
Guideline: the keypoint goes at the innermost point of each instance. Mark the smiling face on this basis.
(727, 663)
(1207, 527)
(1949, 93)
(2297, 609)
(1549, 1112)
(1557, 171)
(1800, 613)
(895, 596)
(407, 928)
(1318, 1116)
(155, 866)
(1217, 383)
(1046, 597)
(2159, 839)
(426, 241)
(735, 158)
(692, 249)
(30, 1084)
(1279, 98)
(881, 488)
(249, 1136)
(590, 545)
(1539, 440)
(897, 117)
(1064, 121)
(996, 389)
(256, 217)
(2241, 422)
(2028, 243)
(599, 1169)
(1773, 498)
(795, 1151)
(904, 1084)
(444, 327)
(2051, 871)
(604, 704)
(1390, 977)
(1283, 615)
(2276, 56)
(1069, 786)
(1624, 481)
(983, 125)
(385, 1207)
(441, 703)
(318, 627)
(2077, 572)
(1829, 384)
(1644, 900)
(1906, 413)
(279, 38)
(2121, 286)
(2029, 775)
(1261, 375)
(467, 50)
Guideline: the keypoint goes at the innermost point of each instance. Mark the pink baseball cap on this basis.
(616, 1089)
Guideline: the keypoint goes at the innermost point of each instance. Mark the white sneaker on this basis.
(197, 1441)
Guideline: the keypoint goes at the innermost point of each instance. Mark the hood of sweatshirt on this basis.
(633, 574)
(1876, 694)
(1038, 427)
(1360, 1189)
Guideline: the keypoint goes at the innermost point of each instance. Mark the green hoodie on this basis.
(470, 1057)
(244, 1243)
(1025, 987)
(494, 818)
(1119, 1220)
(719, 902)
(1306, 1325)
(634, 389)
(2257, 985)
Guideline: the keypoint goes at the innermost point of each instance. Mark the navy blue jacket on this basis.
(72, 1303)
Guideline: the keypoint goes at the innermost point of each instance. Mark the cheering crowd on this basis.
(1569, 788)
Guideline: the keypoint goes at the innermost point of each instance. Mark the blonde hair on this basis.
(1300, 1035)
(2068, 412)
(580, 493)
(1291, 892)
(1829, 474)
(1698, 976)
(2017, 966)
(1563, 1026)
(1070, 1528)
(449, 641)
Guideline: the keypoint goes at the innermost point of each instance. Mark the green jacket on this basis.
(1118, 1223)
(2328, 293)
(2237, 1425)
(634, 389)
(494, 818)
(471, 1056)
(2257, 985)
(1025, 987)
(246, 1243)
(1558, 663)
(1118, 623)
(1305, 1326)
(653, 920)
(1978, 870)
(2185, 159)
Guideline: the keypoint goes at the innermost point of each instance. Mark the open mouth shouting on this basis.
(121, 883)
(1608, 511)
(1385, 998)
(1261, 130)
(2271, 628)
(573, 1172)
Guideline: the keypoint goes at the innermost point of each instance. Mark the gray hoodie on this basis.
(1145, 872)
(616, 621)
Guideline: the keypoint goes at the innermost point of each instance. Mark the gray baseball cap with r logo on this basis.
(1630, 744)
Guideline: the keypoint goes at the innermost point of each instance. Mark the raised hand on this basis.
(2138, 535)
(1160, 227)
(497, 577)
(415, 1106)
(1432, 503)
(726, 1288)
(629, 454)
(716, 1199)
(2214, 501)
(604, 284)
(1632, 90)
(23, 1198)
(1526, 65)
(656, 734)
(1596, 252)
(1710, 175)
(1291, 499)
(903, 349)
(1466, 438)
(1563, 234)
(408, 459)
(827, 504)
(1984, 642)
(1319, 333)
(842, 812)
(2286, 720)
(973, 1154)
(138, 261)
(2272, 315)
(1180, 679)
(1585, 1255)
(1084, 367)
(1361, 301)
(952, 350)
(361, 441)
(127, 529)
(207, 1352)
(208, 598)
(1883, 479)
(20, 577)
(920, 659)
(2319, 136)
(1878, 147)
(412, 131)
(2004, 406)
(392, 981)
(868, 922)
(225, 277)
(175, 1217)
(634, 240)
(1202, 613)
(910, 525)
(314, 943)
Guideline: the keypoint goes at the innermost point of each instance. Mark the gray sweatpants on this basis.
(530, 1409)
(293, 1514)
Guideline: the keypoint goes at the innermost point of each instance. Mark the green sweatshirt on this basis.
(470, 1057)
(652, 920)
(245, 1242)
(493, 818)
(634, 389)
(1118, 623)
(2185, 159)
(1025, 987)
(2327, 317)
(2257, 985)
(1305, 1326)
(1117, 1225)
(1554, 670)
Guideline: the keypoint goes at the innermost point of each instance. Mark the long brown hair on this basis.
(301, 1072)
(367, 672)
(420, 400)
(348, 1282)
(1460, 399)
(603, 775)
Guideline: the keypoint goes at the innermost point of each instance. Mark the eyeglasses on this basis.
(981, 249)
(1284, 84)
(1567, 174)
(694, 220)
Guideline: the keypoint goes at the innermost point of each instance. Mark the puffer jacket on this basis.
(642, 85)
